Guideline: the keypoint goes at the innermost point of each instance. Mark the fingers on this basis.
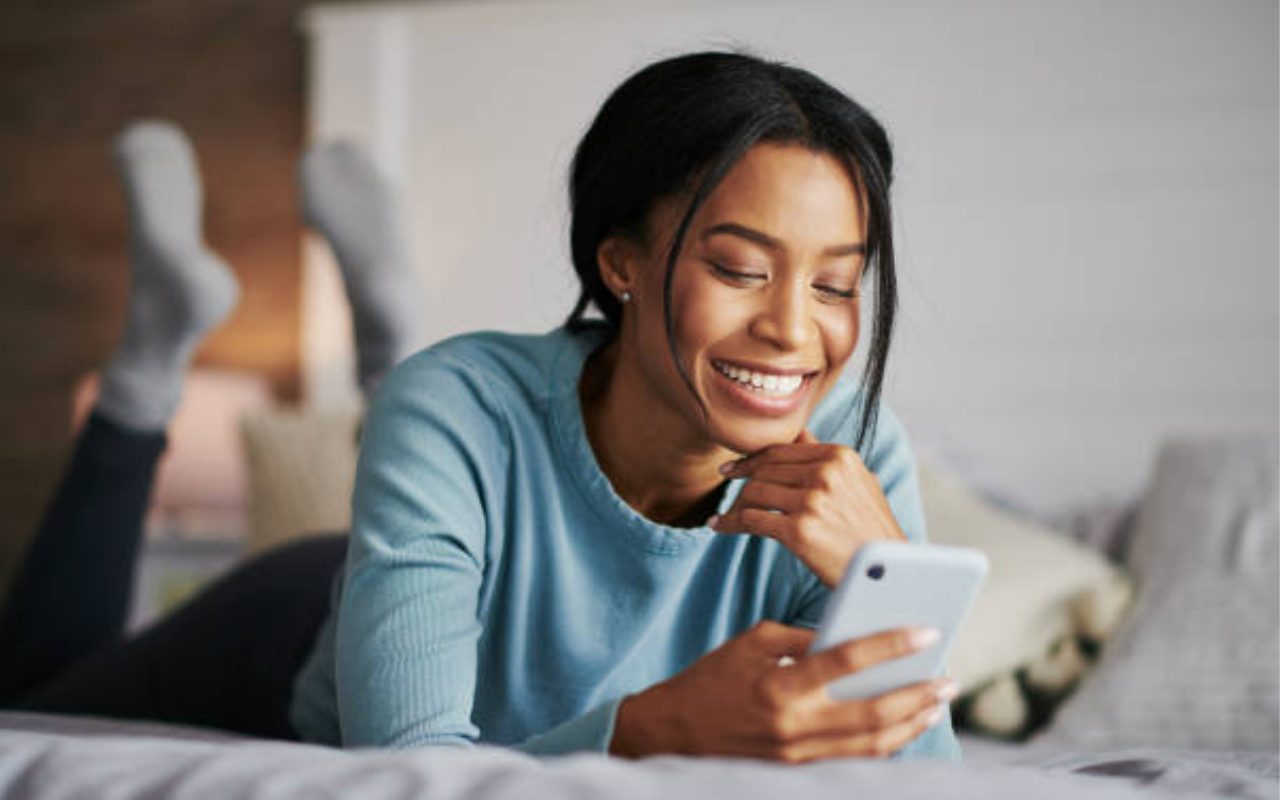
(776, 640)
(817, 457)
(853, 717)
(752, 520)
(763, 499)
(795, 453)
(818, 669)
(796, 476)
(879, 744)
(771, 496)
(800, 724)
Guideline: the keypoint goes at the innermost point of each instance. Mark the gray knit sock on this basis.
(178, 290)
(352, 205)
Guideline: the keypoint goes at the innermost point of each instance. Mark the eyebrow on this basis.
(765, 240)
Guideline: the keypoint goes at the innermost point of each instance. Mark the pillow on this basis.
(302, 467)
(1195, 666)
(1047, 603)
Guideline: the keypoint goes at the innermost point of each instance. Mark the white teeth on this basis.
(764, 383)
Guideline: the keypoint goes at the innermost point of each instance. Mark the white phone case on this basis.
(919, 585)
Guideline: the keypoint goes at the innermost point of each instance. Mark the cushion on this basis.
(1048, 601)
(1195, 665)
(302, 468)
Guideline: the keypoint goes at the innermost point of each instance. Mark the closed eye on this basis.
(833, 292)
(830, 293)
(735, 275)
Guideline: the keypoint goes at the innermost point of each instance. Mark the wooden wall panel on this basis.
(74, 73)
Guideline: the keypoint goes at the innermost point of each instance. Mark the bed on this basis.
(62, 757)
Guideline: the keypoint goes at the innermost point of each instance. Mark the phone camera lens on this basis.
(875, 572)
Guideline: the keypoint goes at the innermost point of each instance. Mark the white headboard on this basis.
(1086, 199)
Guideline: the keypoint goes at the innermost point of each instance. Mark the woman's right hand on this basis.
(738, 700)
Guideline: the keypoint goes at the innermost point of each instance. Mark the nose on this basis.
(785, 319)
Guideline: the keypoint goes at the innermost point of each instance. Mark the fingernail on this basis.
(712, 520)
(947, 691)
(727, 467)
(923, 637)
(934, 717)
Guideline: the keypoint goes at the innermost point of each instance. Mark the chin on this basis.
(746, 437)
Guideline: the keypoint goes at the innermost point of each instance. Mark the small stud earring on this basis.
(626, 296)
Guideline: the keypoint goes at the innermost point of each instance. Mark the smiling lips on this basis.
(773, 393)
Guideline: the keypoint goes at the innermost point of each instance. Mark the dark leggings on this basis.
(226, 659)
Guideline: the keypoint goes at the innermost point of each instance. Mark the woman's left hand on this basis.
(819, 500)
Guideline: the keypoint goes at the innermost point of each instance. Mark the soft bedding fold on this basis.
(43, 758)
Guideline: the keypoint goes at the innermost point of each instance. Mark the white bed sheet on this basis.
(44, 757)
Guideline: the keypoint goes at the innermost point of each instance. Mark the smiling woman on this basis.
(617, 536)
(609, 537)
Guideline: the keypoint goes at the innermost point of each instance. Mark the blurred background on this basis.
(1087, 200)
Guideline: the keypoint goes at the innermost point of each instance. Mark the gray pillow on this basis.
(1195, 663)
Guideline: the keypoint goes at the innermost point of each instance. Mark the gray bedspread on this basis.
(43, 758)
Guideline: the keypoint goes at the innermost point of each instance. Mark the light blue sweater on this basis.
(498, 590)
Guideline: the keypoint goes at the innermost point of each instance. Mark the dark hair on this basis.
(678, 126)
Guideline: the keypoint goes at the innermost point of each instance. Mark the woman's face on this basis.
(764, 297)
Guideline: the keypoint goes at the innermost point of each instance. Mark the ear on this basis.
(616, 260)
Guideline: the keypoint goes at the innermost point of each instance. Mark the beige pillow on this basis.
(1045, 595)
(302, 467)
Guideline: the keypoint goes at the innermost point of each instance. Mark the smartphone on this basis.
(898, 585)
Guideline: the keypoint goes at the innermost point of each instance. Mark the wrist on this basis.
(635, 726)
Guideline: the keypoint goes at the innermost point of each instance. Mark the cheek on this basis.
(840, 331)
(692, 330)
(705, 314)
